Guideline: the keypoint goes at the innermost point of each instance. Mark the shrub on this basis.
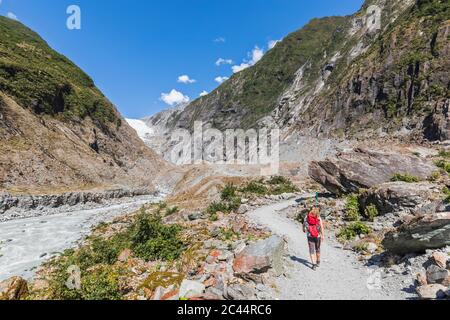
(152, 240)
(435, 176)
(229, 192)
(371, 212)
(216, 207)
(404, 178)
(352, 210)
(446, 192)
(445, 165)
(254, 187)
(172, 210)
(281, 185)
(352, 230)
(101, 284)
(444, 154)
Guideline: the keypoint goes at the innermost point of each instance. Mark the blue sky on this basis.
(136, 50)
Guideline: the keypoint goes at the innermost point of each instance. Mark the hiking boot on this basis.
(318, 264)
(314, 267)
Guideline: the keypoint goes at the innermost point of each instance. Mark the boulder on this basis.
(191, 289)
(432, 291)
(14, 288)
(420, 234)
(440, 259)
(421, 279)
(436, 274)
(243, 209)
(349, 172)
(399, 196)
(240, 292)
(260, 257)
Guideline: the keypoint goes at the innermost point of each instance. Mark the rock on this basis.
(124, 255)
(432, 291)
(14, 288)
(195, 216)
(440, 259)
(399, 196)
(239, 292)
(372, 247)
(363, 169)
(243, 209)
(421, 233)
(260, 257)
(191, 289)
(421, 279)
(436, 274)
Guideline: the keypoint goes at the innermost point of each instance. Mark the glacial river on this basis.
(27, 243)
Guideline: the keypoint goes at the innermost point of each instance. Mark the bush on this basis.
(229, 192)
(444, 154)
(281, 185)
(216, 207)
(371, 212)
(446, 192)
(352, 210)
(172, 210)
(352, 230)
(152, 240)
(443, 165)
(404, 178)
(435, 176)
(254, 187)
(101, 284)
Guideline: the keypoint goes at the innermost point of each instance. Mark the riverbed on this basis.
(26, 243)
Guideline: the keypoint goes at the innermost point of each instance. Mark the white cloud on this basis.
(186, 79)
(204, 93)
(222, 61)
(12, 16)
(272, 44)
(240, 67)
(174, 98)
(221, 79)
(255, 56)
(220, 40)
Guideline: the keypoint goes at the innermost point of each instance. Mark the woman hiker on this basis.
(313, 227)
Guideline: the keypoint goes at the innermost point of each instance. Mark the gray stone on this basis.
(363, 169)
(261, 256)
(436, 274)
(432, 291)
(419, 234)
(191, 289)
(399, 196)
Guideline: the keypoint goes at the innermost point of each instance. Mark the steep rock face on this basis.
(430, 231)
(398, 85)
(57, 131)
(362, 169)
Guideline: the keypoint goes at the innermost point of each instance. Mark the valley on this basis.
(361, 115)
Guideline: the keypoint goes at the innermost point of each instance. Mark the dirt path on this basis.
(341, 276)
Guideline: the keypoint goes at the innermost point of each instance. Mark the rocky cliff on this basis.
(57, 131)
(359, 76)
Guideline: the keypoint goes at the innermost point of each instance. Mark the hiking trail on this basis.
(340, 277)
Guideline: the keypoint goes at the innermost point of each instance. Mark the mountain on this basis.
(57, 130)
(344, 78)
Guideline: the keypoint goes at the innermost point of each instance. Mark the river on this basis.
(26, 243)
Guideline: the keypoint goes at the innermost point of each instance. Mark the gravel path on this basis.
(340, 277)
(27, 243)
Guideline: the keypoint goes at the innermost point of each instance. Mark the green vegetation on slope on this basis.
(255, 91)
(45, 81)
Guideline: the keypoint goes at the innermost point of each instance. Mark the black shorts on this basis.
(314, 245)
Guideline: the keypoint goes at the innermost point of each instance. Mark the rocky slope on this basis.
(57, 131)
(343, 77)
